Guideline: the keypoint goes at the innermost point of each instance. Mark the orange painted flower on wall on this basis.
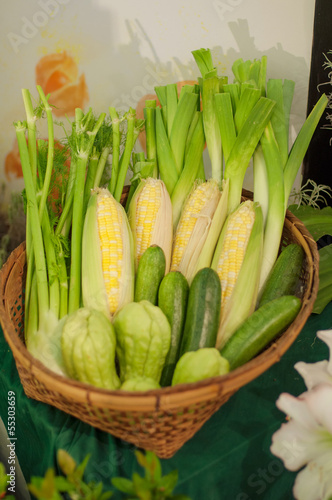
(58, 75)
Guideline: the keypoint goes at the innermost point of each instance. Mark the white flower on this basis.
(314, 374)
(305, 440)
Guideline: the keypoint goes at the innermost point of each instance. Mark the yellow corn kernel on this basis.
(111, 245)
(235, 242)
(150, 218)
(147, 209)
(107, 255)
(193, 227)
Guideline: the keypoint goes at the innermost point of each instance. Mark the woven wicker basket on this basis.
(159, 420)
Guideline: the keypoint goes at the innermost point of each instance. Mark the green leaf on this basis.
(79, 471)
(167, 483)
(143, 487)
(66, 463)
(63, 484)
(180, 497)
(124, 485)
(45, 488)
(3, 479)
(153, 467)
(106, 495)
(317, 221)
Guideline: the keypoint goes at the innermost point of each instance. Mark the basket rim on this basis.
(168, 397)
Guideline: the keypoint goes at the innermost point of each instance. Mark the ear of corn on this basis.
(219, 217)
(150, 219)
(237, 260)
(193, 227)
(107, 255)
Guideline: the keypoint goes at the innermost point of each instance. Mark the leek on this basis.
(189, 172)
(244, 147)
(150, 130)
(166, 162)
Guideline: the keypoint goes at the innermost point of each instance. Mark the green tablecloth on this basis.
(228, 458)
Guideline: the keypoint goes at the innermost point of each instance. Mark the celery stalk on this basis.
(125, 158)
(52, 266)
(116, 148)
(76, 236)
(49, 167)
(101, 166)
(37, 238)
(91, 174)
(32, 134)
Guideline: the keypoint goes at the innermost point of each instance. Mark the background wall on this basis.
(101, 52)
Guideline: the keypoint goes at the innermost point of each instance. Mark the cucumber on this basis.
(150, 272)
(259, 329)
(172, 300)
(203, 311)
(285, 274)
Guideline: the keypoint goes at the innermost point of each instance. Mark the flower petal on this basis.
(314, 482)
(314, 373)
(319, 402)
(296, 446)
(297, 409)
(326, 336)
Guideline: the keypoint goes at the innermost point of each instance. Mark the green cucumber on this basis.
(259, 329)
(150, 272)
(203, 311)
(172, 300)
(285, 274)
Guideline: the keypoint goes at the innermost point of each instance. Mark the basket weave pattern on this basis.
(160, 420)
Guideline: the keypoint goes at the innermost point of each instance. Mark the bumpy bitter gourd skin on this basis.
(143, 337)
(88, 345)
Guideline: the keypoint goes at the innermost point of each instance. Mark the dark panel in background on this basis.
(317, 164)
